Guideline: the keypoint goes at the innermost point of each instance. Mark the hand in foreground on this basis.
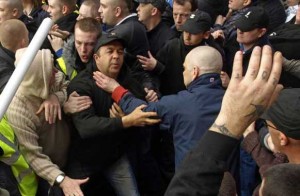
(225, 79)
(55, 31)
(71, 187)
(77, 103)
(56, 42)
(147, 63)
(151, 95)
(115, 111)
(106, 83)
(246, 98)
(52, 109)
(139, 118)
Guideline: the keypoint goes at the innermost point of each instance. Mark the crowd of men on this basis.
(152, 97)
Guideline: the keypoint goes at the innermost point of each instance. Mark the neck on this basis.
(152, 23)
(293, 155)
(27, 8)
(247, 46)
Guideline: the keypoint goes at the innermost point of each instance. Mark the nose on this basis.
(100, 9)
(83, 48)
(138, 8)
(178, 19)
(116, 54)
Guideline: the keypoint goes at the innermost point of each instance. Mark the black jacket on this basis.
(7, 67)
(98, 139)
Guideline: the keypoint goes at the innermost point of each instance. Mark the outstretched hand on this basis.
(71, 187)
(246, 98)
(147, 63)
(139, 118)
(106, 83)
(52, 109)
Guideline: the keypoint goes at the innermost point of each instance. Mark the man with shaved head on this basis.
(189, 113)
(13, 36)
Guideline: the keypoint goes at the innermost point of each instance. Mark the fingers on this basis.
(276, 69)
(265, 64)
(40, 109)
(237, 70)
(254, 64)
(74, 94)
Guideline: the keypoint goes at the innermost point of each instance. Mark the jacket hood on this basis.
(36, 81)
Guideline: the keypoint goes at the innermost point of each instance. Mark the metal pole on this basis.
(23, 65)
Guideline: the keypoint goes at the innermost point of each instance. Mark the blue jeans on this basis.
(121, 178)
(119, 175)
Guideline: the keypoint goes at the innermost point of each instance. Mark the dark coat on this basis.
(187, 114)
(7, 66)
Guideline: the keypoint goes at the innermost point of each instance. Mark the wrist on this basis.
(59, 179)
(126, 121)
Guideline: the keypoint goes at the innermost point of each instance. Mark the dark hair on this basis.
(282, 179)
(192, 2)
(89, 25)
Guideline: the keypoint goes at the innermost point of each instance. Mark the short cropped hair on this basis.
(89, 25)
(192, 2)
(282, 179)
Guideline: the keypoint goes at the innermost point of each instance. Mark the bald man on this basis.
(13, 36)
(13, 9)
(189, 113)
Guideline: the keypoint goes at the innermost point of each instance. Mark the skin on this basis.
(190, 39)
(181, 13)
(6, 12)
(84, 44)
(109, 58)
(87, 11)
(107, 12)
(144, 11)
(238, 4)
(248, 39)
(55, 10)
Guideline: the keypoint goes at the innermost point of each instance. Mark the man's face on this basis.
(292, 2)
(85, 12)
(187, 73)
(109, 59)
(181, 13)
(249, 38)
(85, 43)
(144, 12)
(192, 39)
(236, 4)
(107, 12)
(6, 12)
(55, 10)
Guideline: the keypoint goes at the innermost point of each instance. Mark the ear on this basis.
(262, 32)
(284, 140)
(154, 11)
(65, 9)
(247, 2)
(118, 11)
(206, 35)
(95, 57)
(196, 72)
(15, 12)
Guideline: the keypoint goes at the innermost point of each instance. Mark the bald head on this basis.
(13, 34)
(11, 9)
(208, 59)
(201, 60)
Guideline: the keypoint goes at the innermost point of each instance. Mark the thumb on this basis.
(40, 109)
(146, 90)
(74, 94)
(141, 107)
(149, 54)
(82, 181)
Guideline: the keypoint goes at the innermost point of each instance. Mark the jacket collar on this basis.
(212, 79)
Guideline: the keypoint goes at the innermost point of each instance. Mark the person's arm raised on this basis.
(246, 98)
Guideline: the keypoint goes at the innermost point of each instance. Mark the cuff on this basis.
(118, 93)
(59, 53)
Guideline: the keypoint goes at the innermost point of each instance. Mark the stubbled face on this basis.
(249, 38)
(144, 12)
(192, 39)
(85, 43)
(109, 58)
(6, 12)
(181, 13)
(236, 4)
(107, 12)
(187, 73)
(85, 12)
(55, 9)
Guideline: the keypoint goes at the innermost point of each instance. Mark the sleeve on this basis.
(292, 66)
(24, 125)
(202, 170)
(87, 122)
(61, 85)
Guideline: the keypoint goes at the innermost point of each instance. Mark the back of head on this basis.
(93, 5)
(206, 58)
(89, 25)
(12, 33)
(282, 179)
(71, 4)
